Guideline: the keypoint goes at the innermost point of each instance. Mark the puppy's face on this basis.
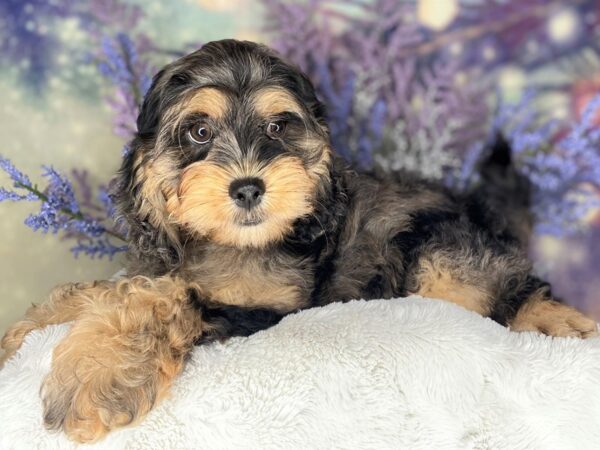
(249, 164)
(234, 149)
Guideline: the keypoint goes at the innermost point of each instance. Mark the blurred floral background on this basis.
(416, 84)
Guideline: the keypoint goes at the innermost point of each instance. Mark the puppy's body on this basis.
(239, 213)
(373, 237)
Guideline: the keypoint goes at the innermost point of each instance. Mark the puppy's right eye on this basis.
(200, 133)
(276, 129)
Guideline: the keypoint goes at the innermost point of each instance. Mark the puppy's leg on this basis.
(438, 277)
(64, 304)
(496, 282)
(120, 357)
(539, 312)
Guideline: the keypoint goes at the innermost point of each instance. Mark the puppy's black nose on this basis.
(247, 192)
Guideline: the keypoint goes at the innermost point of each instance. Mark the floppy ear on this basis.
(149, 116)
(297, 82)
(154, 244)
(166, 87)
(308, 95)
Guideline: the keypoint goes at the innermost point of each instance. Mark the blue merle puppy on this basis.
(239, 213)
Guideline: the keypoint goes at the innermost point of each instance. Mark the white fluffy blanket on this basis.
(408, 373)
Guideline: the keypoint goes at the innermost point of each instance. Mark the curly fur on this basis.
(322, 233)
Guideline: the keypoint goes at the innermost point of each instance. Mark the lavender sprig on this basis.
(60, 210)
(19, 178)
(6, 195)
(120, 63)
(97, 248)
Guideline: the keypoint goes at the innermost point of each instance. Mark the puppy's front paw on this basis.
(99, 382)
(554, 319)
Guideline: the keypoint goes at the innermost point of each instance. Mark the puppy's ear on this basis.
(149, 116)
(154, 244)
(154, 247)
(166, 87)
(308, 95)
(297, 82)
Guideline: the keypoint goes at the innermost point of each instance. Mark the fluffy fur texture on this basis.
(408, 373)
(128, 341)
(239, 213)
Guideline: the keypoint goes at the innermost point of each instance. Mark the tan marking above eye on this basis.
(208, 100)
(271, 101)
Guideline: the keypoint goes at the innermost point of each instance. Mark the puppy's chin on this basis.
(256, 235)
(203, 205)
(246, 233)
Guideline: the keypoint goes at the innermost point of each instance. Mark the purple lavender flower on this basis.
(20, 181)
(385, 103)
(561, 172)
(60, 193)
(97, 248)
(389, 84)
(18, 177)
(48, 219)
(60, 210)
(107, 201)
(121, 64)
(6, 195)
(468, 175)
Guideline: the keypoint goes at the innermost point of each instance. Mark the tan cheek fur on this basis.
(158, 186)
(201, 200)
(158, 176)
(204, 204)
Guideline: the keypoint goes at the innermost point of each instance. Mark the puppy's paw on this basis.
(120, 357)
(554, 319)
(98, 383)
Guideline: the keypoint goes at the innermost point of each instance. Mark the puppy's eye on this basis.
(200, 133)
(275, 130)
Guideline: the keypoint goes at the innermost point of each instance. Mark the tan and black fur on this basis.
(239, 213)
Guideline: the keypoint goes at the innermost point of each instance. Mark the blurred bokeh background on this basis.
(421, 84)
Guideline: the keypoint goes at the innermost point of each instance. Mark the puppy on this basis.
(239, 213)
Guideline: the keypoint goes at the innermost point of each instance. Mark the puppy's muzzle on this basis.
(247, 193)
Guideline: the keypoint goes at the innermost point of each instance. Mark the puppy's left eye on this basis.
(200, 133)
(275, 130)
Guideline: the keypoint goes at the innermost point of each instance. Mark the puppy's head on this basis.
(232, 147)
